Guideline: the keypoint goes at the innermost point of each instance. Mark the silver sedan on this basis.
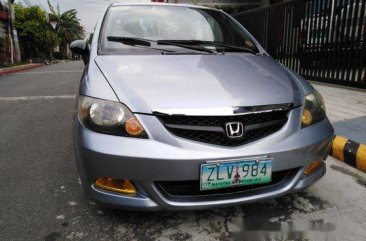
(181, 108)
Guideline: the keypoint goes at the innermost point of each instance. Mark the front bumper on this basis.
(165, 157)
(141, 202)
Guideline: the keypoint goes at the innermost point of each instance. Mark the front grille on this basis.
(211, 129)
(192, 188)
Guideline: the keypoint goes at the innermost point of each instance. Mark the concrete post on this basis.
(14, 34)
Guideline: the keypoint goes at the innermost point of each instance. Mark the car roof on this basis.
(163, 4)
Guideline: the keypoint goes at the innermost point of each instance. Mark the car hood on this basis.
(154, 82)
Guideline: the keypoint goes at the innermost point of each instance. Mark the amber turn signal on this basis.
(133, 127)
(122, 186)
(306, 118)
(312, 167)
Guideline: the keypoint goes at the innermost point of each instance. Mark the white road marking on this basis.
(50, 72)
(25, 98)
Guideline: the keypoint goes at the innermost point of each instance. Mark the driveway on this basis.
(42, 199)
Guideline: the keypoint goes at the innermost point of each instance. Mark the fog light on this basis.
(123, 186)
(312, 167)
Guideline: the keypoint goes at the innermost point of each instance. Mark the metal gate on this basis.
(323, 40)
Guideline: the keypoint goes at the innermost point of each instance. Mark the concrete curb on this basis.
(19, 68)
(349, 152)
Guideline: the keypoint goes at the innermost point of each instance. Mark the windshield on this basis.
(170, 23)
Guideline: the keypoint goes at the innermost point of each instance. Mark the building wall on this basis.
(4, 37)
(3, 20)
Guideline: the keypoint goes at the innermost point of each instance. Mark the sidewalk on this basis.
(18, 68)
(346, 109)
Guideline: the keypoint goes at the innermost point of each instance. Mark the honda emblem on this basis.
(234, 130)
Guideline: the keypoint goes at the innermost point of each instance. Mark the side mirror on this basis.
(81, 47)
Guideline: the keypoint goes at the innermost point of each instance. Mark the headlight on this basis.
(314, 109)
(109, 117)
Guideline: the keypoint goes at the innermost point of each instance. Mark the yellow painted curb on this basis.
(338, 146)
(350, 152)
(361, 158)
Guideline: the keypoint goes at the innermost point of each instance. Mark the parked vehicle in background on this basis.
(332, 28)
(321, 40)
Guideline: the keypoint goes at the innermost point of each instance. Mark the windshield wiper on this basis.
(130, 40)
(185, 45)
(136, 42)
(188, 44)
(212, 43)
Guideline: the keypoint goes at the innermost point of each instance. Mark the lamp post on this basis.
(14, 35)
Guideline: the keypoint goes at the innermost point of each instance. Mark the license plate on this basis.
(235, 173)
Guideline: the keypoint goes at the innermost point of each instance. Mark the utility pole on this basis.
(14, 34)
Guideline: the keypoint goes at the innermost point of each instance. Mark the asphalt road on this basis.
(41, 197)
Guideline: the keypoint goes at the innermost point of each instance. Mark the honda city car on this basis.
(180, 108)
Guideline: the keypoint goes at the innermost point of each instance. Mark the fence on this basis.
(323, 40)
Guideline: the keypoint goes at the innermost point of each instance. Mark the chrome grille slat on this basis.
(197, 128)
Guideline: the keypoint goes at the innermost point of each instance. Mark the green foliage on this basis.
(90, 39)
(34, 33)
(37, 38)
(2, 43)
(52, 41)
(4, 49)
(68, 25)
(5, 44)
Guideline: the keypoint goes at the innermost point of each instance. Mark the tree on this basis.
(35, 35)
(52, 40)
(68, 26)
(4, 50)
(90, 39)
